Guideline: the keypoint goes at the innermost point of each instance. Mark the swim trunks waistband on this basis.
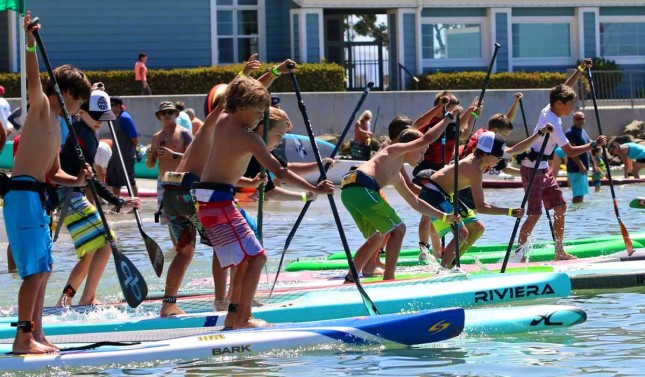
(359, 178)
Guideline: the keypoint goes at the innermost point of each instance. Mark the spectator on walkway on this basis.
(128, 138)
(141, 86)
(5, 112)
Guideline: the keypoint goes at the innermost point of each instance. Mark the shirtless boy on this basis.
(233, 145)
(26, 218)
(374, 217)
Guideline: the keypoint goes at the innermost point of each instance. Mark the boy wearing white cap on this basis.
(439, 189)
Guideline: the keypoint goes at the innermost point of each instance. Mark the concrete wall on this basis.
(329, 112)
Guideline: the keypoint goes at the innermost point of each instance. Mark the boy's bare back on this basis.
(384, 166)
(470, 174)
(198, 150)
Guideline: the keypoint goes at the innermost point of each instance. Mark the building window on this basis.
(541, 40)
(622, 38)
(237, 30)
(451, 41)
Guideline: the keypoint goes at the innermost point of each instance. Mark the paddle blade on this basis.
(133, 284)
(628, 241)
(155, 253)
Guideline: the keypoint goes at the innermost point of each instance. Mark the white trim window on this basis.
(539, 38)
(237, 30)
(453, 42)
(622, 39)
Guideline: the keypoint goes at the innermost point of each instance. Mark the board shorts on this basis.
(560, 152)
(437, 197)
(595, 177)
(545, 190)
(579, 183)
(29, 231)
(115, 177)
(179, 206)
(232, 238)
(371, 213)
(83, 224)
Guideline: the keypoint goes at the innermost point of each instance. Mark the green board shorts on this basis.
(370, 211)
(438, 199)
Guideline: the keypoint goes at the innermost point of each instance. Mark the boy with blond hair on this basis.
(232, 147)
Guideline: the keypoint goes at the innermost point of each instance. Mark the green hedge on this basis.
(503, 80)
(311, 77)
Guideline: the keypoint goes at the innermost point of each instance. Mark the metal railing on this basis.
(615, 88)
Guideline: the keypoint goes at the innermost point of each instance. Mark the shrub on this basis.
(327, 77)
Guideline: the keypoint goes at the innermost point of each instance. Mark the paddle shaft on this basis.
(455, 225)
(63, 212)
(369, 305)
(132, 283)
(333, 154)
(154, 251)
(628, 242)
(526, 128)
(378, 110)
(524, 200)
(487, 79)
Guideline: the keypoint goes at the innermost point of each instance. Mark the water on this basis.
(610, 342)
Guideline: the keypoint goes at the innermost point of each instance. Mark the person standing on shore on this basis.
(141, 86)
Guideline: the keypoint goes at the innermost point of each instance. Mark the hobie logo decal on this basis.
(231, 350)
(513, 292)
(439, 326)
(546, 319)
(131, 281)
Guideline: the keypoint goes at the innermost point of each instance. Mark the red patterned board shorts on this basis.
(232, 238)
(545, 190)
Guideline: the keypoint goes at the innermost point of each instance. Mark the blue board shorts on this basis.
(28, 230)
(579, 184)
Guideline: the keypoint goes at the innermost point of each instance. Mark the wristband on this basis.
(445, 216)
(31, 48)
(241, 74)
(510, 211)
(276, 72)
(304, 197)
(540, 133)
(581, 68)
(175, 156)
(593, 144)
(449, 115)
(474, 115)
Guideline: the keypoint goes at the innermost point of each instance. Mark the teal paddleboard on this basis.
(341, 302)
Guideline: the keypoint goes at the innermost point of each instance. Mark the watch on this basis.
(449, 115)
(593, 144)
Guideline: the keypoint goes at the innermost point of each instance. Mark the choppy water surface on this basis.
(610, 343)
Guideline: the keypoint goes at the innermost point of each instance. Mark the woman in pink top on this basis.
(141, 86)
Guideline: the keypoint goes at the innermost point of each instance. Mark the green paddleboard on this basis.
(636, 237)
(538, 254)
(637, 203)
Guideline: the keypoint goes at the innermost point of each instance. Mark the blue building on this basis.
(424, 35)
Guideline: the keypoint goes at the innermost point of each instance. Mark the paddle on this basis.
(524, 200)
(487, 79)
(369, 305)
(628, 242)
(526, 129)
(63, 212)
(334, 152)
(154, 251)
(133, 284)
(378, 110)
(455, 201)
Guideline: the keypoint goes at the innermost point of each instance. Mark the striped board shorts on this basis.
(84, 225)
(232, 238)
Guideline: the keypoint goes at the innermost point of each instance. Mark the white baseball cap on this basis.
(492, 143)
(98, 106)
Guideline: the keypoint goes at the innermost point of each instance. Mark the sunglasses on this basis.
(166, 112)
